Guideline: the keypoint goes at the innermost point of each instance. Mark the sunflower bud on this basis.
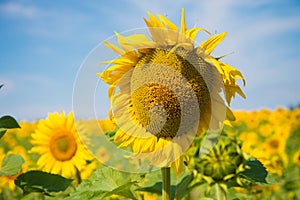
(222, 163)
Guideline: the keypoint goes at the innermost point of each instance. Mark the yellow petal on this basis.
(230, 90)
(157, 29)
(113, 48)
(111, 91)
(212, 42)
(139, 41)
(123, 42)
(168, 23)
(229, 114)
(118, 61)
(192, 33)
(182, 25)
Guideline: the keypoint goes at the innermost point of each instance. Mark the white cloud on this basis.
(43, 22)
(17, 10)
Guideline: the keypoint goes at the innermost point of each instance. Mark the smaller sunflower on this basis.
(59, 146)
(296, 158)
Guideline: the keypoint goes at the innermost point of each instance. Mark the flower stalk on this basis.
(166, 183)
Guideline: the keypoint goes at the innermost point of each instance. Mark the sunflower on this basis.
(296, 158)
(164, 91)
(59, 146)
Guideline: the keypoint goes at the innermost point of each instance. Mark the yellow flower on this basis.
(148, 196)
(266, 130)
(159, 87)
(60, 149)
(250, 141)
(107, 125)
(296, 158)
(27, 128)
(275, 144)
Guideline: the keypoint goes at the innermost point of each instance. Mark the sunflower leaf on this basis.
(11, 164)
(39, 181)
(179, 184)
(183, 186)
(257, 172)
(105, 182)
(8, 122)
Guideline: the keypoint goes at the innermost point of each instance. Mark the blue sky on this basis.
(44, 43)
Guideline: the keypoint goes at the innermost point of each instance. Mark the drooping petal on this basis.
(114, 48)
(123, 42)
(192, 33)
(139, 41)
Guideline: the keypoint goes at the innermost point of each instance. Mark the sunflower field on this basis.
(270, 136)
(154, 143)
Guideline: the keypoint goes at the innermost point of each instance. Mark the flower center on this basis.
(274, 144)
(162, 100)
(63, 146)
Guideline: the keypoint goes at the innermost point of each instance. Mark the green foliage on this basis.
(11, 164)
(106, 182)
(7, 122)
(256, 171)
(39, 181)
(179, 185)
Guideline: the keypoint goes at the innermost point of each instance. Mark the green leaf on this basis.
(182, 187)
(257, 171)
(11, 164)
(8, 122)
(39, 181)
(2, 132)
(179, 184)
(292, 185)
(155, 188)
(105, 182)
(123, 190)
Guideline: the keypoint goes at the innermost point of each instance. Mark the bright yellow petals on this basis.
(296, 158)
(149, 101)
(229, 75)
(59, 146)
(192, 33)
(210, 44)
(182, 28)
(168, 23)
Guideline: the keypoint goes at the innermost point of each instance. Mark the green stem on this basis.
(78, 176)
(166, 183)
(220, 193)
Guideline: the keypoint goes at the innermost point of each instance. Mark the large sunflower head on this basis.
(58, 144)
(164, 90)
